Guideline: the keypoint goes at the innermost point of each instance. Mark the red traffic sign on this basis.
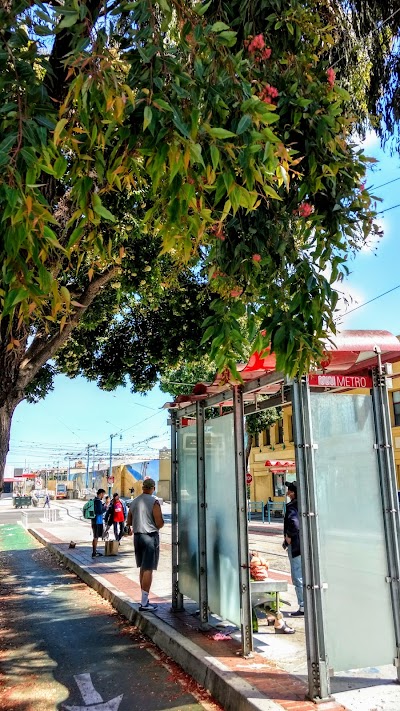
(249, 478)
(110, 480)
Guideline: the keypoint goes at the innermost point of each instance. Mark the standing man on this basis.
(291, 532)
(97, 521)
(145, 517)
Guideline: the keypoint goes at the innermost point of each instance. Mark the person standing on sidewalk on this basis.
(146, 518)
(97, 521)
(291, 532)
(116, 514)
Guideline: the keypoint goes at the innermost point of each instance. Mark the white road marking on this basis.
(92, 698)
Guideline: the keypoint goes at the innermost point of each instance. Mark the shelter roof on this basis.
(348, 352)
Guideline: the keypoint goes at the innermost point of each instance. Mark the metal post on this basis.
(94, 454)
(110, 467)
(389, 494)
(87, 466)
(177, 597)
(317, 660)
(201, 515)
(243, 539)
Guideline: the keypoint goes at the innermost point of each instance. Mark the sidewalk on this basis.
(263, 682)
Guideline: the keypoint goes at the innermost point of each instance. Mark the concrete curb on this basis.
(228, 689)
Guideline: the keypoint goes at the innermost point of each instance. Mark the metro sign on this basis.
(340, 381)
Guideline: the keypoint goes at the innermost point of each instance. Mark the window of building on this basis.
(280, 432)
(396, 408)
(290, 428)
(267, 437)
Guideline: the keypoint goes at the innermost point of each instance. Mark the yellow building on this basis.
(271, 460)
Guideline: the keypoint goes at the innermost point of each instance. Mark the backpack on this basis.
(88, 509)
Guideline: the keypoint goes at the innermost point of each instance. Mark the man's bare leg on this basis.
(146, 578)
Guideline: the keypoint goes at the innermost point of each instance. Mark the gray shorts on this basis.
(147, 550)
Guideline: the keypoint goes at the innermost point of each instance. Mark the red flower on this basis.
(263, 333)
(266, 53)
(236, 292)
(256, 43)
(330, 75)
(268, 93)
(256, 257)
(305, 209)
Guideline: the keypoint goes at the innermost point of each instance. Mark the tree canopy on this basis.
(147, 145)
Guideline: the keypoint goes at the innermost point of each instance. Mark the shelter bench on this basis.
(255, 509)
(274, 506)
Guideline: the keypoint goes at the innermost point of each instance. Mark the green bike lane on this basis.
(63, 647)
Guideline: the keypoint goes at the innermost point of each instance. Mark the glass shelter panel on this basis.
(187, 513)
(222, 528)
(351, 531)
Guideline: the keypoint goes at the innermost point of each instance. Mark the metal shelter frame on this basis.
(243, 400)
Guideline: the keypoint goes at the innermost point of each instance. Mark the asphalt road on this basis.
(63, 647)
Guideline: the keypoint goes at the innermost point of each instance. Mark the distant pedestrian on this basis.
(107, 502)
(146, 518)
(46, 500)
(97, 521)
(291, 532)
(116, 515)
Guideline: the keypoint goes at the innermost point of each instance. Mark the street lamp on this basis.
(110, 468)
(69, 456)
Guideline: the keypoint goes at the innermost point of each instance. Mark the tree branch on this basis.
(36, 356)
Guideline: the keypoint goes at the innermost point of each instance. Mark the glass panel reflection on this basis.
(358, 614)
(222, 531)
(187, 513)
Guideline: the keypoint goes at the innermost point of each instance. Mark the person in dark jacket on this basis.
(97, 521)
(291, 532)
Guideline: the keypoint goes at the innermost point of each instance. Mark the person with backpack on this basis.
(97, 521)
(116, 515)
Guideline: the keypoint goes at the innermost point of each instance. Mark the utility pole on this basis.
(93, 470)
(87, 466)
(110, 483)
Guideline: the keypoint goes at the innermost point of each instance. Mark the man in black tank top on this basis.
(146, 518)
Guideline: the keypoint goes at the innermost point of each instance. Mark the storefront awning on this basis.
(281, 465)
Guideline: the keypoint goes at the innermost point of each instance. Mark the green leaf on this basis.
(103, 212)
(219, 27)
(244, 123)
(68, 20)
(58, 129)
(147, 117)
(200, 9)
(214, 156)
(221, 133)
(60, 166)
(270, 192)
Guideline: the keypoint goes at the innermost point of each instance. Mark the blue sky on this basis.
(77, 413)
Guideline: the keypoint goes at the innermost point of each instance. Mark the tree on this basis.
(366, 58)
(142, 141)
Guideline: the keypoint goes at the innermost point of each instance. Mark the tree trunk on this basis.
(6, 414)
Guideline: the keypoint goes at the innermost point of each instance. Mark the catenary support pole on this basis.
(317, 661)
(243, 538)
(177, 597)
(201, 515)
(390, 501)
